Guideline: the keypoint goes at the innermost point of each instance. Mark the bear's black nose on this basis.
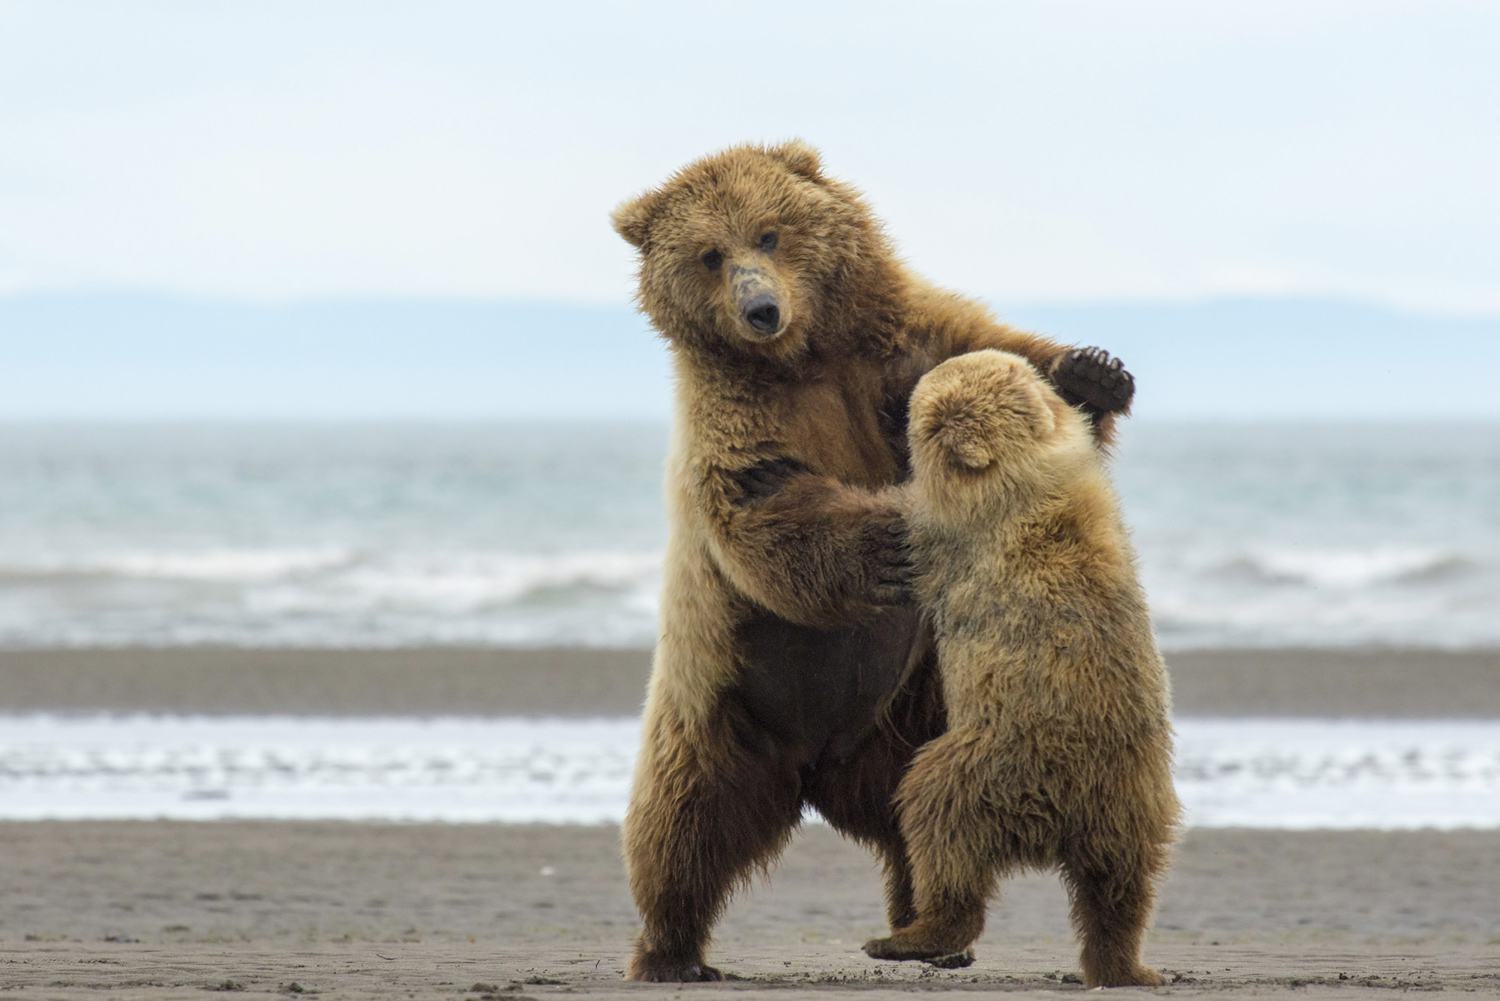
(763, 314)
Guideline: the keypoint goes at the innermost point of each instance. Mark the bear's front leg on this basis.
(1085, 377)
(810, 549)
(704, 812)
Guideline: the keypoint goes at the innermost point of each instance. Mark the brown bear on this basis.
(1059, 743)
(792, 669)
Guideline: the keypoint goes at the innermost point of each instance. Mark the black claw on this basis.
(1095, 380)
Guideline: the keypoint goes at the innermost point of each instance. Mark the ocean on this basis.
(517, 534)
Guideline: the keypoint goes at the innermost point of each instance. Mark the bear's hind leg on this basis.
(857, 795)
(703, 815)
(956, 850)
(1113, 889)
(857, 801)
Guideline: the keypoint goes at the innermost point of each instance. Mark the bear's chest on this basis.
(818, 692)
(851, 428)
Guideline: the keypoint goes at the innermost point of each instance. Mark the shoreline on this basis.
(578, 682)
(169, 910)
(153, 909)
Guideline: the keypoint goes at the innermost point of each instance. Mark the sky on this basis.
(1033, 153)
(161, 357)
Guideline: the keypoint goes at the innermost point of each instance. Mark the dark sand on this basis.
(168, 910)
(572, 682)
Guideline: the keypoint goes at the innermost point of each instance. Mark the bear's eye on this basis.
(712, 260)
(768, 242)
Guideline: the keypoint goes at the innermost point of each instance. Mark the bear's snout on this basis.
(758, 300)
(763, 313)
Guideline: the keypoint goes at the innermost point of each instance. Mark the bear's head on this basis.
(985, 428)
(755, 252)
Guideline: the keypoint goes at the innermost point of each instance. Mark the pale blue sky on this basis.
(1038, 154)
(1027, 150)
(159, 357)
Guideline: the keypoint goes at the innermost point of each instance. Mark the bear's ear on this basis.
(632, 219)
(966, 450)
(799, 158)
(955, 424)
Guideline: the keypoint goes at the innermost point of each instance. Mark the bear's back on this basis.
(1044, 612)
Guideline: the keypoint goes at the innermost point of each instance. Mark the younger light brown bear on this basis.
(1059, 744)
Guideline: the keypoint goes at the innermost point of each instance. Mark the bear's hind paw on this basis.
(655, 971)
(1138, 976)
(895, 948)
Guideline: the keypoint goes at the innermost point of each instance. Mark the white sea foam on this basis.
(1346, 568)
(1243, 772)
(214, 565)
(333, 597)
(476, 581)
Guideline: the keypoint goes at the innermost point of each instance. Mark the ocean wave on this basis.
(496, 580)
(505, 577)
(1189, 616)
(333, 597)
(343, 596)
(1345, 568)
(229, 566)
(499, 577)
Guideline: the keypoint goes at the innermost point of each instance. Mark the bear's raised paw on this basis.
(1095, 380)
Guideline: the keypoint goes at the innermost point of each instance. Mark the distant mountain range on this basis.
(144, 356)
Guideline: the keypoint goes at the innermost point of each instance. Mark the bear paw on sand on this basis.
(1058, 751)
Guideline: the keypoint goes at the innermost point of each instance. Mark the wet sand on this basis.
(572, 682)
(171, 910)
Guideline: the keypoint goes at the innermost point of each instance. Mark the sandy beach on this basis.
(172, 909)
(164, 910)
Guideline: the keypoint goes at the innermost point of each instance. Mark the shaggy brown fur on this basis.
(792, 669)
(1059, 745)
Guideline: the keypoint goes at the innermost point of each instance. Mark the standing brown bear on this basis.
(1059, 742)
(792, 669)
